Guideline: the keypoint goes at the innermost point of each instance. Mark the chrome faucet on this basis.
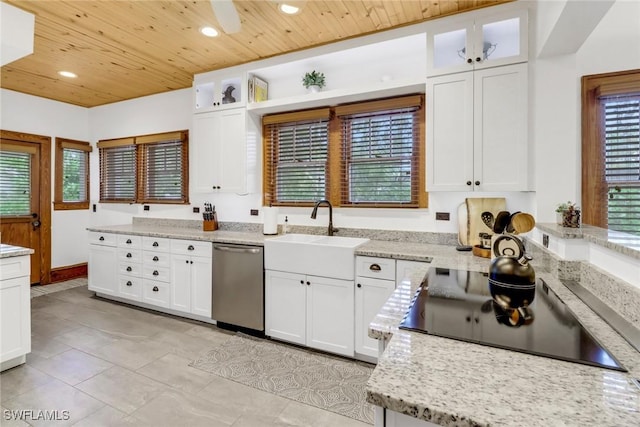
(315, 212)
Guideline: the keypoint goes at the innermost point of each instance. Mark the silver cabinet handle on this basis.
(238, 250)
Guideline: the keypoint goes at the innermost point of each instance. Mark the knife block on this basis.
(210, 225)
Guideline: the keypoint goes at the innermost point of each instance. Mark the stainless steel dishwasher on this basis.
(238, 286)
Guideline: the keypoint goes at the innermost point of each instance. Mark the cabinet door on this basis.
(330, 319)
(500, 128)
(205, 152)
(450, 133)
(448, 48)
(181, 283)
(370, 296)
(15, 315)
(285, 306)
(103, 265)
(500, 39)
(201, 282)
(233, 151)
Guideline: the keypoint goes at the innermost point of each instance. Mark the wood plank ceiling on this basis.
(127, 49)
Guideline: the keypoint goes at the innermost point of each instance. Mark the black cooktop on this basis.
(457, 304)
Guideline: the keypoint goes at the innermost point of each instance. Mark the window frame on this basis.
(141, 146)
(336, 181)
(58, 199)
(594, 190)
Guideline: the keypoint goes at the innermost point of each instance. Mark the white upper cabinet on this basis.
(224, 152)
(472, 44)
(219, 91)
(477, 130)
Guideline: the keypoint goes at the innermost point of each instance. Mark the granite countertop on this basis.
(618, 241)
(8, 251)
(455, 383)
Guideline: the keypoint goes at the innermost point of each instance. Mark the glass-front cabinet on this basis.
(218, 92)
(483, 42)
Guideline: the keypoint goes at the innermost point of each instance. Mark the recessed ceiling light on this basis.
(209, 31)
(288, 9)
(68, 74)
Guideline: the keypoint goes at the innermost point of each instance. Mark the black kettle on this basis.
(512, 280)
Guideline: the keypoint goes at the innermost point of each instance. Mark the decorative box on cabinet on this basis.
(310, 310)
(222, 152)
(463, 44)
(477, 130)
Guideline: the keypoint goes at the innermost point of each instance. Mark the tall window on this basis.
(367, 154)
(71, 174)
(145, 169)
(611, 151)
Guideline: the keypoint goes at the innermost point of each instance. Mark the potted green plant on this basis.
(568, 215)
(313, 81)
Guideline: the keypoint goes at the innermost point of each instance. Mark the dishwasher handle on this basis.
(237, 250)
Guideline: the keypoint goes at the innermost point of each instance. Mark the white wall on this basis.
(31, 114)
(556, 112)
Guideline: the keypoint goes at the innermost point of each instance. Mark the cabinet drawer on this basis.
(133, 242)
(378, 268)
(130, 268)
(17, 266)
(129, 255)
(156, 244)
(156, 259)
(130, 287)
(103, 239)
(156, 293)
(190, 247)
(161, 274)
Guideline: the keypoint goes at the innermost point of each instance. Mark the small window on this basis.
(145, 169)
(71, 175)
(15, 181)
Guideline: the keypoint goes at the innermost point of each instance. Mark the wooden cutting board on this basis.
(475, 207)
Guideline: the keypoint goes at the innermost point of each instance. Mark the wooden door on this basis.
(25, 215)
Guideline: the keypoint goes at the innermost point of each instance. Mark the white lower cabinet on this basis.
(173, 274)
(103, 264)
(310, 310)
(15, 310)
(371, 294)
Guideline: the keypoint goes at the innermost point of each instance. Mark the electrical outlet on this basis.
(254, 212)
(94, 207)
(196, 209)
(442, 216)
(146, 207)
(545, 240)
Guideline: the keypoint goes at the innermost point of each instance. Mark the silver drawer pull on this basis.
(155, 289)
(374, 267)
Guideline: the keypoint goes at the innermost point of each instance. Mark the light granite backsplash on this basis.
(388, 235)
(552, 263)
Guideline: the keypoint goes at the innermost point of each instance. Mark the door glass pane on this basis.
(15, 183)
(501, 39)
(449, 48)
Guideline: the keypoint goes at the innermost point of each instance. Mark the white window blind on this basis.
(296, 161)
(74, 178)
(380, 158)
(118, 174)
(15, 183)
(622, 161)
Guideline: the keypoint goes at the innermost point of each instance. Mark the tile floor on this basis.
(109, 364)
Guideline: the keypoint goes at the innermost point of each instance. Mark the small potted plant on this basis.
(568, 215)
(314, 81)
